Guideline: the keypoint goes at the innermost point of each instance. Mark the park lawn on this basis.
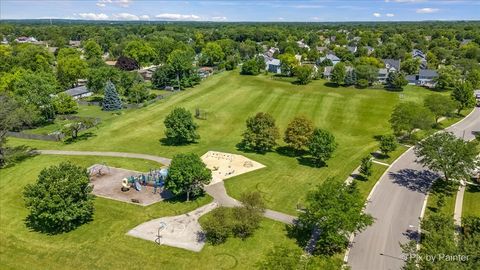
(449, 191)
(102, 243)
(471, 199)
(354, 116)
(365, 186)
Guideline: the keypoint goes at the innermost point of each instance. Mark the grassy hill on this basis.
(354, 116)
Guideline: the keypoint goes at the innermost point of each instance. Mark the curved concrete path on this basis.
(397, 204)
(162, 160)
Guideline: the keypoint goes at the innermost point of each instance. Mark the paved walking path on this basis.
(457, 214)
(396, 204)
(162, 160)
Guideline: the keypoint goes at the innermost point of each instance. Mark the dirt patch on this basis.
(108, 184)
(226, 165)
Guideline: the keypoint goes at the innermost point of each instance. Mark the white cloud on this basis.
(145, 17)
(126, 17)
(219, 18)
(93, 16)
(390, 15)
(177, 17)
(376, 14)
(122, 3)
(427, 10)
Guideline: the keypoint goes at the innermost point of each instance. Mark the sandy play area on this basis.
(108, 184)
(226, 165)
(181, 231)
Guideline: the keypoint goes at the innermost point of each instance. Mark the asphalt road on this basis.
(396, 204)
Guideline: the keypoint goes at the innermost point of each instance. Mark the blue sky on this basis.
(221, 10)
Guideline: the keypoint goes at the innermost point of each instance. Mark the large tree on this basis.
(366, 72)
(288, 62)
(335, 209)
(187, 175)
(298, 132)
(60, 200)
(141, 51)
(180, 127)
(439, 105)
(321, 146)
(212, 54)
(448, 77)
(303, 74)
(396, 81)
(12, 115)
(92, 51)
(70, 67)
(445, 153)
(261, 133)
(339, 73)
(463, 94)
(64, 104)
(409, 116)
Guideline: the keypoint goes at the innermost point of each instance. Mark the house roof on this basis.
(382, 71)
(273, 61)
(77, 91)
(392, 63)
(411, 78)
(428, 73)
(331, 57)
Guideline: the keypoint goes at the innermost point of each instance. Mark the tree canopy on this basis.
(180, 127)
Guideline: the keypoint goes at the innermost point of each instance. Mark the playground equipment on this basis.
(161, 228)
(99, 170)
(155, 178)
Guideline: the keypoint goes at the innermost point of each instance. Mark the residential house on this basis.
(147, 72)
(78, 92)
(382, 75)
(74, 43)
(330, 56)
(4, 41)
(427, 77)
(412, 79)
(369, 49)
(204, 72)
(392, 65)
(420, 55)
(299, 58)
(352, 49)
(272, 65)
(270, 52)
(321, 49)
(26, 40)
(302, 45)
(327, 72)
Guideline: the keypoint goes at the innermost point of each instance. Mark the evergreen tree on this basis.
(351, 78)
(339, 73)
(396, 81)
(111, 101)
(366, 166)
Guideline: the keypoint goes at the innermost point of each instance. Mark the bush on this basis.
(388, 143)
(216, 226)
(239, 222)
(60, 200)
(64, 104)
(362, 83)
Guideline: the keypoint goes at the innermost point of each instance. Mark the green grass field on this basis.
(471, 200)
(354, 116)
(102, 244)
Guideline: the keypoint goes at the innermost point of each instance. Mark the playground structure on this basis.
(154, 178)
(140, 188)
(226, 165)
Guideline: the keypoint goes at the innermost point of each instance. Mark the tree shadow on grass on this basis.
(311, 162)
(359, 177)
(83, 137)
(17, 154)
(331, 84)
(173, 142)
(289, 151)
(241, 147)
(377, 155)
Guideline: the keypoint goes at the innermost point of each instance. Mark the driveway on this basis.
(396, 203)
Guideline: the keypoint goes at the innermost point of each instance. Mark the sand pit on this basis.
(226, 165)
(109, 184)
(181, 231)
